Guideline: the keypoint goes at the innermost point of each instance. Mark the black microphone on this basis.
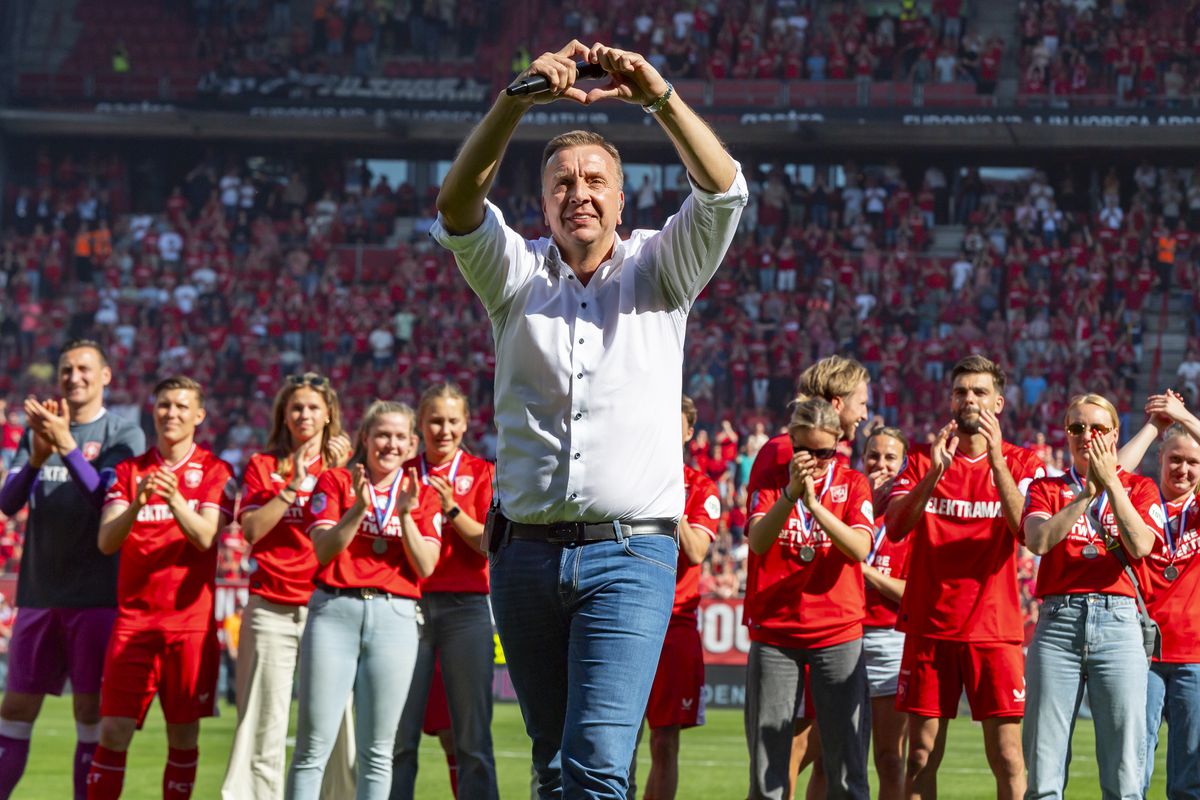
(533, 84)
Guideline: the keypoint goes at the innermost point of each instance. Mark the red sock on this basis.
(452, 764)
(107, 775)
(180, 775)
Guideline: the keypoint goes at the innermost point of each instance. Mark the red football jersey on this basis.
(282, 562)
(1064, 570)
(460, 567)
(359, 565)
(163, 580)
(891, 558)
(1173, 603)
(963, 550)
(702, 510)
(820, 603)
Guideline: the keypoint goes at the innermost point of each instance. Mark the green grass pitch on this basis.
(712, 759)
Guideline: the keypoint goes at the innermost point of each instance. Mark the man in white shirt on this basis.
(589, 352)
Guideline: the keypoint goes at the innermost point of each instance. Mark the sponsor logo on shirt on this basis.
(90, 450)
(192, 478)
(463, 484)
(838, 493)
(161, 512)
(54, 475)
(964, 509)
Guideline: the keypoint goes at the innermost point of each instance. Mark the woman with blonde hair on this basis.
(306, 439)
(361, 636)
(455, 493)
(809, 532)
(1090, 526)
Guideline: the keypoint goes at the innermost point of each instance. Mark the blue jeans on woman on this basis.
(1089, 642)
(1173, 695)
(457, 630)
(364, 646)
(582, 628)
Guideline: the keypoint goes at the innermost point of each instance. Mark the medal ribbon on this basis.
(1093, 534)
(449, 477)
(389, 506)
(879, 534)
(1172, 546)
(807, 520)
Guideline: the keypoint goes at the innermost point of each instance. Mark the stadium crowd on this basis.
(251, 281)
(1135, 53)
(818, 268)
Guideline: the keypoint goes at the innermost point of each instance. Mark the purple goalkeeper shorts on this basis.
(50, 645)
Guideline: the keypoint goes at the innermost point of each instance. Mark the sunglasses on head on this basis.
(819, 453)
(1080, 428)
(315, 381)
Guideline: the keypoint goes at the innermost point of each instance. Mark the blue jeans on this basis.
(1173, 694)
(457, 630)
(1092, 642)
(367, 647)
(582, 628)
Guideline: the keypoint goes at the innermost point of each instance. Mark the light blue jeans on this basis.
(1089, 642)
(1173, 695)
(582, 628)
(367, 647)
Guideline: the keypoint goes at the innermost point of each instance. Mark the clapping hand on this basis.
(1102, 462)
(945, 444)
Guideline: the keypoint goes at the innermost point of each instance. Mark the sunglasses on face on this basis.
(1080, 428)
(819, 453)
(315, 381)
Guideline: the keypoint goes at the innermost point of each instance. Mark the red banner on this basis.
(725, 639)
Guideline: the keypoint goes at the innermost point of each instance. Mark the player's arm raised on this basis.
(1012, 502)
(633, 79)
(460, 200)
(904, 511)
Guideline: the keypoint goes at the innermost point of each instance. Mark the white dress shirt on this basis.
(588, 378)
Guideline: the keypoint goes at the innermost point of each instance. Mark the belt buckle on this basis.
(566, 532)
(368, 593)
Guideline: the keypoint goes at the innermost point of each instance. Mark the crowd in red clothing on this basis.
(1144, 52)
(244, 277)
(788, 40)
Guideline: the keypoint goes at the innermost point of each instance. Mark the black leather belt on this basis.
(584, 532)
(361, 592)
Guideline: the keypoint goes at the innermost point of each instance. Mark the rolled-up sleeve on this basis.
(685, 254)
(495, 260)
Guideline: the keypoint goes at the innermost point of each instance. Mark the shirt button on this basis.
(577, 456)
(579, 416)
(580, 376)
(574, 495)
(583, 304)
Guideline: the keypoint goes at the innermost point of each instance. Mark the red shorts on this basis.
(677, 696)
(179, 666)
(437, 710)
(934, 673)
